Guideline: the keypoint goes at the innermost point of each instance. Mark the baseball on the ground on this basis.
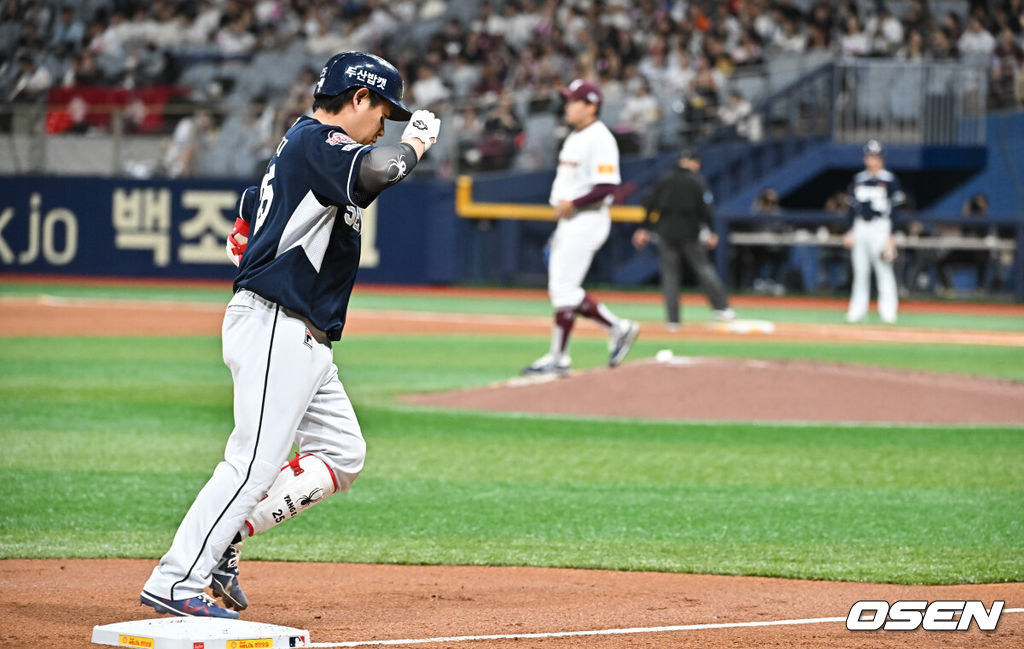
(663, 356)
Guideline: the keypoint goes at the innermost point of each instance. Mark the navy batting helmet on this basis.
(362, 70)
(873, 147)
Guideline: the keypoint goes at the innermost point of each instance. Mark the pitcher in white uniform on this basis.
(872, 196)
(587, 175)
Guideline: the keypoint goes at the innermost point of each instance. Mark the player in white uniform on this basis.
(295, 276)
(872, 196)
(587, 176)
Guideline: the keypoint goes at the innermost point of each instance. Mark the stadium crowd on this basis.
(495, 66)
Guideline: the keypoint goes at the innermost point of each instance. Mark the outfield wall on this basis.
(176, 229)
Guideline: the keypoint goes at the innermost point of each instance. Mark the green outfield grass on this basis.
(106, 441)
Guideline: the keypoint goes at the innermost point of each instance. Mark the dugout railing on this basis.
(814, 231)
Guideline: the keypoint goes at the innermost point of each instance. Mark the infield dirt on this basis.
(55, 603)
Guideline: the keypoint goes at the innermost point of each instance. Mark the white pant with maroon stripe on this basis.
(573, 246)
(286, 390)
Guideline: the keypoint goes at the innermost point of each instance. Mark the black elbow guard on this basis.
(384, 166)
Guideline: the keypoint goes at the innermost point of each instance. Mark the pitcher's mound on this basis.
(720, 389)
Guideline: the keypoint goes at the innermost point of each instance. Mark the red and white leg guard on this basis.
(302, 483)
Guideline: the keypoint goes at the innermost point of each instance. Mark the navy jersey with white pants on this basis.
(872, 198)
(291, 296)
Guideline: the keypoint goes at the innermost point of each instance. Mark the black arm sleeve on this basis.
(652, 203)
(383, 166)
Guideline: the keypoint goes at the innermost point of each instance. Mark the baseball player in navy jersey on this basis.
(587, 175)
(872, 196)
(297, 242)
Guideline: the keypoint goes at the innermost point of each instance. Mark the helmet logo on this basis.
(369, 78)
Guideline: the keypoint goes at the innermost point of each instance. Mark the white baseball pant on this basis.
(870, 239)
(573, 246)
(286, 390)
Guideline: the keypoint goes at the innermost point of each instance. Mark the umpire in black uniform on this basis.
(678, 208)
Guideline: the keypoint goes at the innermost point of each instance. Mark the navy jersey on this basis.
(874, 196)
(304, 240)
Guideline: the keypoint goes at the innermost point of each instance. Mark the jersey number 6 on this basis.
(266, 198)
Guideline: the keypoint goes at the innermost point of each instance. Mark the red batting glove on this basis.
(237, 240)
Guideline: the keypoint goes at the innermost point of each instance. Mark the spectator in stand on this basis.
(976, 43)
(789, 38)
(747, 51)
(640, 115)
(885, 32)
(951, 25)
(913, 50)
(764, 23)
(822, 20)
(469, 130)
(515, 45)
(704, 97)
(835, 260)
(263, 134)
(727, 25)
(738, 112)
(300, 97)
(451, 40)
(461, 77)
(521, 19)
(33, 82)
(39, 14)
(208, 20)
(916, 17)
(83, 71)
(193, 136)
(1008, 71)
(855, 41)
(68, 32)
(31, 38)
(768, 262)
(428, 90)
(488, 22)
(817, 39)
(502, 130)
(942, 48)
(974, 225)
(678, 76)
(234, 38)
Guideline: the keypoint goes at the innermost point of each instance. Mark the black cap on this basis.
(689, 153)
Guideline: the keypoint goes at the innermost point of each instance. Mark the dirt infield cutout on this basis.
(722, 389)
(55, 603)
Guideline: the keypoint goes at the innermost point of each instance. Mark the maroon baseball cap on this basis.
(582, 90)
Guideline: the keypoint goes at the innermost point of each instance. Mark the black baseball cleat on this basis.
(224, 579)
(621, 341)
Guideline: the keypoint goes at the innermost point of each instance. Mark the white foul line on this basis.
(569, 634)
